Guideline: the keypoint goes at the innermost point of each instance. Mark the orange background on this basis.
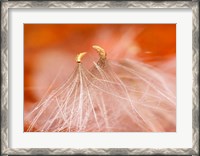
(48, 45)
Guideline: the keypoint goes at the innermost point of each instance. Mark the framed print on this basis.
(99, 77)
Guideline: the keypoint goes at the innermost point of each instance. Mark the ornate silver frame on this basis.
(98, 4)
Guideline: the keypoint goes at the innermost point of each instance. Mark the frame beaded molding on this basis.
(98, 4)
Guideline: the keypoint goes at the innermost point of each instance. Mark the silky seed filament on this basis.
(111, 96)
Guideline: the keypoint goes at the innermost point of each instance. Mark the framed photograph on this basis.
(99, 77)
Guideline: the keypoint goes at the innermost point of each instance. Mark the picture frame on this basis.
(5, 137)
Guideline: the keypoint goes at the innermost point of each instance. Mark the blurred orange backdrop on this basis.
(47, 46)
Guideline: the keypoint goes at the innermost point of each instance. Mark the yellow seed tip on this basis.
(100, 51)
(80, 56)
